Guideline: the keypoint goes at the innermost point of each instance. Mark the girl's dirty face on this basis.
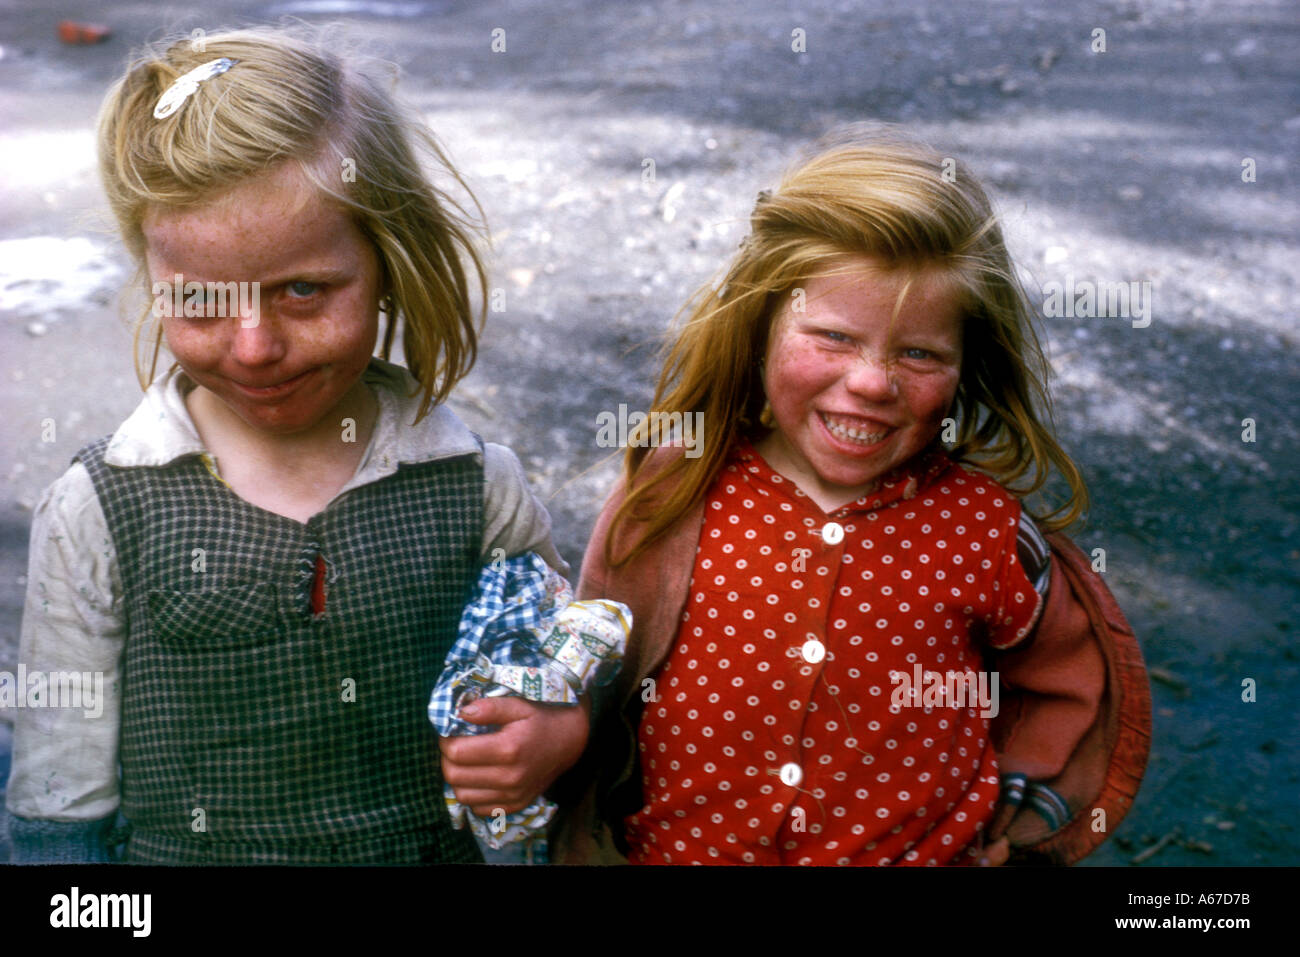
(282, 318)
(856, 392)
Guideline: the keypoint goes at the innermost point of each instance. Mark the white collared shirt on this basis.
(65, 762)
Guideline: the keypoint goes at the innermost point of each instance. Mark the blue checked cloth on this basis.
(522, 634)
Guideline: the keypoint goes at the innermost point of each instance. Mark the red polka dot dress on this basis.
(805, 714)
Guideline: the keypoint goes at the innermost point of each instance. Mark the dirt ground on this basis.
(1117, 166)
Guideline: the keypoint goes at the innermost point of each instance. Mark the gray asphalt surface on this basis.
(1117, 166)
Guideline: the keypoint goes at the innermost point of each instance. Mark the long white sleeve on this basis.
(65, 765)
(513, 518)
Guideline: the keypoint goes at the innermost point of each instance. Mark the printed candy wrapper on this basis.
(523, 635)
(498, 831)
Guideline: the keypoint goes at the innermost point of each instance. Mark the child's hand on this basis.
(996, 854)
(512, 766)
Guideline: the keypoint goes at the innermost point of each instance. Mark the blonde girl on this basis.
(821, 596)
(268, 560)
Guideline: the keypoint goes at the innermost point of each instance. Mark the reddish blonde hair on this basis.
(864, 192)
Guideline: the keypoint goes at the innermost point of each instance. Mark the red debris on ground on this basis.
(82, 34)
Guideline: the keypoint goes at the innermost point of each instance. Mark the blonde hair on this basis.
(289, 99)
(865, 191)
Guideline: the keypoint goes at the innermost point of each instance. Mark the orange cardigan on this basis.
(1075, 710)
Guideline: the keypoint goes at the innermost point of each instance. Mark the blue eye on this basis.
(302, 289)
(917, 354)
(834, 336)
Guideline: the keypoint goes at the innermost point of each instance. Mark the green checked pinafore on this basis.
(255, 730)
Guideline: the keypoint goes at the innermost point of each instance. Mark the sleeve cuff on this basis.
(1018, 790)
(59, 842)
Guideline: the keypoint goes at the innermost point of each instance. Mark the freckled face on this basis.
(318, 313)
(854, 394)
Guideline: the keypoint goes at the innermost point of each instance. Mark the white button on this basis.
(813, 651)
(791, 775)
(832, 533)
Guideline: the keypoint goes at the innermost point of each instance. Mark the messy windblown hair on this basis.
(290, 99)
(865, 191)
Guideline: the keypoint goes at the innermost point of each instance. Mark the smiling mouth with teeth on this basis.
(849, 433)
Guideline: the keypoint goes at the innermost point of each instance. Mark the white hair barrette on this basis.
(174, 96)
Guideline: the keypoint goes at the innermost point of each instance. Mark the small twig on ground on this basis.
(1157, 847)
(1167, 678)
